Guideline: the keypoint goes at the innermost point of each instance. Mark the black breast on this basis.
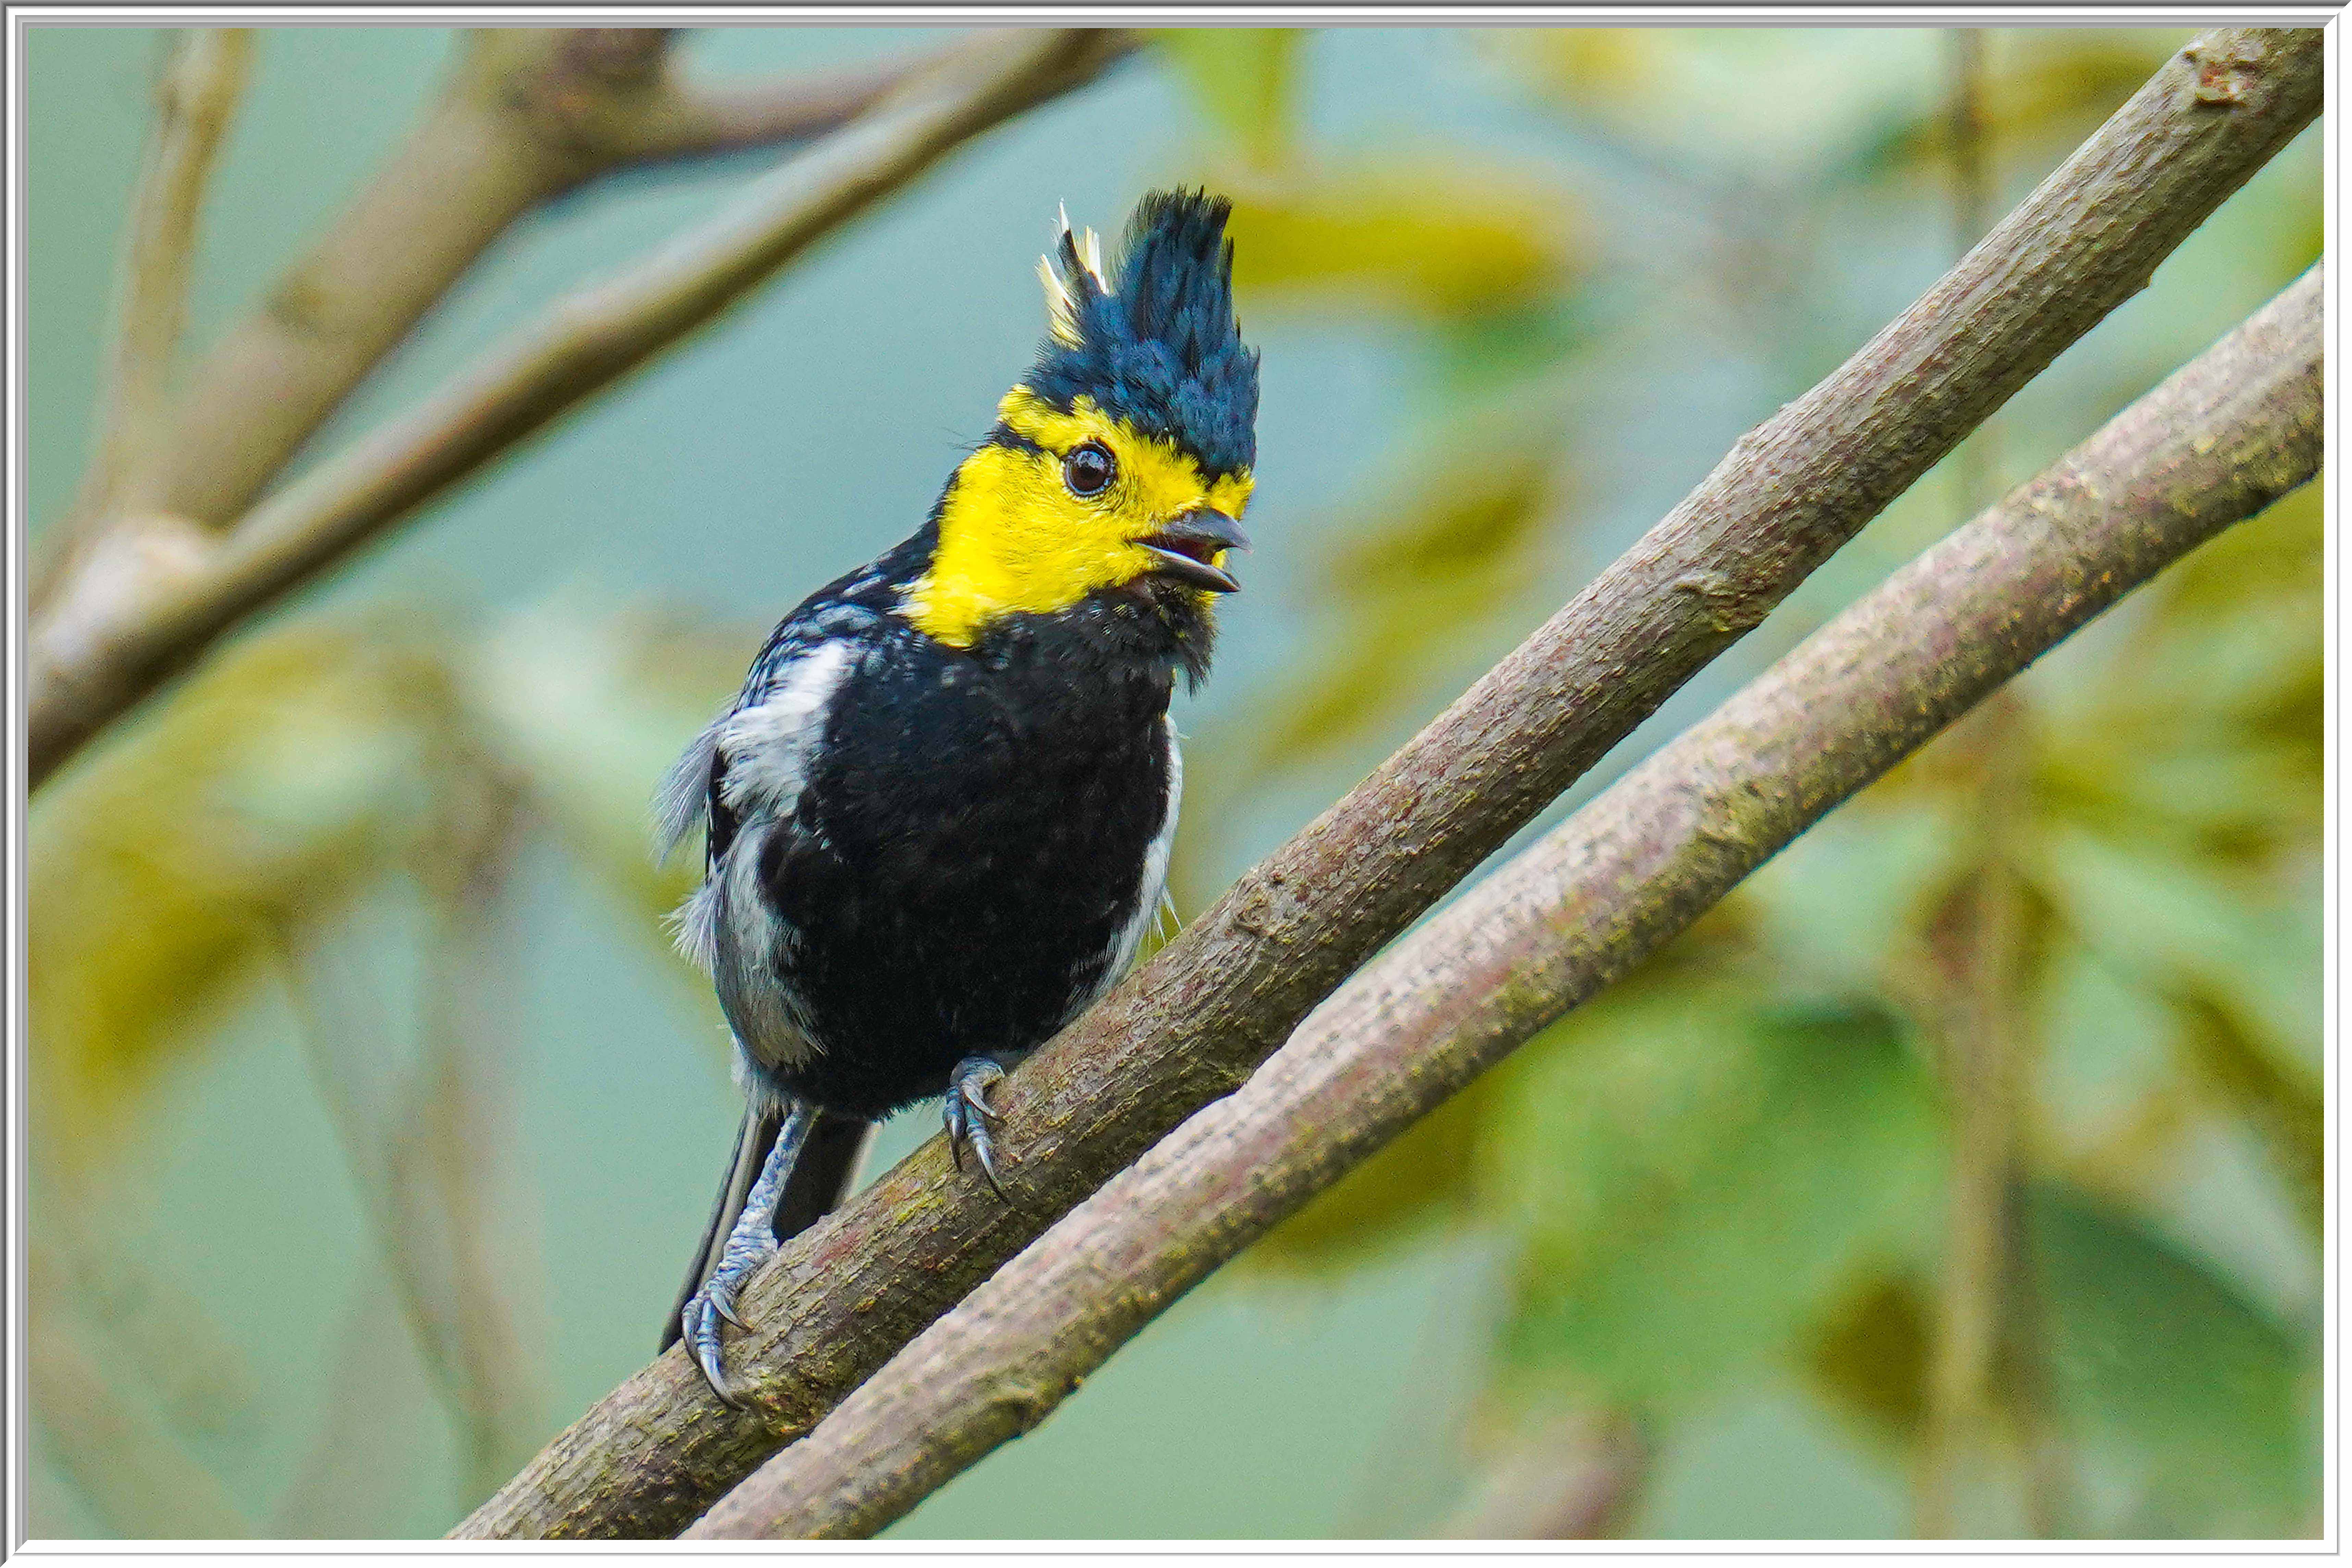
(970, 845)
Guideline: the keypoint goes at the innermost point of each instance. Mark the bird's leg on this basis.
(968, 1113)
(751, 1243)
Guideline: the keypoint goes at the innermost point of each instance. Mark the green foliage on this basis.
(2204, 1407)
(168, 870)
(1697, 1179)
(2189, 1408)
(1403, 585)
(1868, 1356)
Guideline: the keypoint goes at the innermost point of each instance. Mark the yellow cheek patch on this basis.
(1014, 539)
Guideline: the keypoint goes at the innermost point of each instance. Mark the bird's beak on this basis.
(1185, 547)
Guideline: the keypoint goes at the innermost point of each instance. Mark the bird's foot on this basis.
(968, 1113)
(750, 1245)
(745, 1253)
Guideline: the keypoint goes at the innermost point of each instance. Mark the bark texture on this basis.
(1193, 1025)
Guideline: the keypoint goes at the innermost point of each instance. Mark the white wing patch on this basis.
(766, 746)
(767, 743)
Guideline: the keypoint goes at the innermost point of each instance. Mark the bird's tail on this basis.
(819, 1180)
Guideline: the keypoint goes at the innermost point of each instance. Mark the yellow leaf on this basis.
(163, 872)
(1418, 235)
(1243, 77)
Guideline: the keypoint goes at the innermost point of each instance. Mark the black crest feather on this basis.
(1154, 340)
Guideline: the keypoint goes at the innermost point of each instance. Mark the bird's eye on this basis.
(1089, 470)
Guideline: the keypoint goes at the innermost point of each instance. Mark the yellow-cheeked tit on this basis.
(939, 812)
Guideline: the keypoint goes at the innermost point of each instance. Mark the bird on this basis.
(937, 815)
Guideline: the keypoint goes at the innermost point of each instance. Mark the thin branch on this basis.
(342, 1026)
(1579, 1479)
(119, 1456)
(362, 1451)
(445, 1163)
(1976, 1014)
(1193, 1024)
(421, 1156)
(704, 119)
(90, 660)
(153, 1334)
(528, 115)
(1978, 1011)
(193, 104)
(2217, 443)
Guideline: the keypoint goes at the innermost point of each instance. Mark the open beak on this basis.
(1186, 549)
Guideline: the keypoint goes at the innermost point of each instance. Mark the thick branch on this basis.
(2214, 444)
(1191, 1026)
(95, 654)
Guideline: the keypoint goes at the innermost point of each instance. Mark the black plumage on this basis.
(970, 845)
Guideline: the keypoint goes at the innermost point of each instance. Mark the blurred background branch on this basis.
(2216, 444)
(454, 1156)
(120, 1456)
(1974, 973)
(1578, 1480)
(433, 1158)
(194, 101)
(131, 619)
(527, 115)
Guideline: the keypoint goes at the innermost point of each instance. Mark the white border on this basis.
(1398, 15)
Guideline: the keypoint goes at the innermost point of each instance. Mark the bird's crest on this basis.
(1072, 271)
(1154, 342)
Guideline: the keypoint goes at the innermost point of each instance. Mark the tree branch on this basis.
(2217, 443)
(448, 1160)
(123, 1460)
(1191, 1025)
(528, 115)
(193, 105)
(1976, 978)
(95, 654)
(1579, 1478)
(702, 120)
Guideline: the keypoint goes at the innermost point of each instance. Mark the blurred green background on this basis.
(372, 1120)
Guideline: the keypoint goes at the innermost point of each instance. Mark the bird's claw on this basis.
(699, 1326)
(967, 1114)
(715, 1303)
